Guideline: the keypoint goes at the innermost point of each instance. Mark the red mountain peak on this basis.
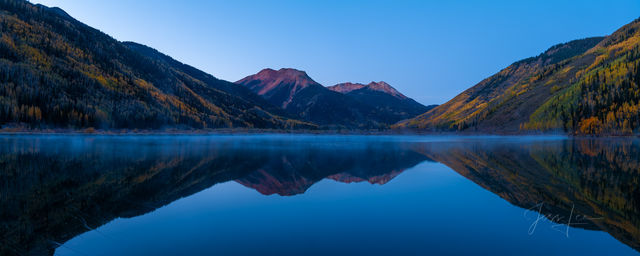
(285, 81)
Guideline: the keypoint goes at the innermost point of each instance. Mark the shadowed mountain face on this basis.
(60, 73)
(385, 99)
(376, 105)
(53, 189)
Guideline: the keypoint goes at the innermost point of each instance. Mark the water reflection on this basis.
(53, 188)
(56, 187)
(587, 183)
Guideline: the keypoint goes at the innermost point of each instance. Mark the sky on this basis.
(428, 50)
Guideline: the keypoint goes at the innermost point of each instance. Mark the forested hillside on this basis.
(505, 100)
(56, 72)
(604, 98)
(587, 86)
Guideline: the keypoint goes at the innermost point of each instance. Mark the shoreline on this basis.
(207, 132)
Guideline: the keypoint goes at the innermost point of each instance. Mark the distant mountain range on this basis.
(57, 72)
(376, 105)
(587, 86)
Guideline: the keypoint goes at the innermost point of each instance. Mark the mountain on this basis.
(298, 94)
(381, 86)
(279, 87)
(57, 72)
(504, 100)
(587, 86)
(383, 98)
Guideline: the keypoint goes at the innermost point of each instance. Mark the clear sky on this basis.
(429, 50)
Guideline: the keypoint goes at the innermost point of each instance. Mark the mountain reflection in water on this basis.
(53, 188)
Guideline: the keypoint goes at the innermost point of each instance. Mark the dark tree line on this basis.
(58, 72)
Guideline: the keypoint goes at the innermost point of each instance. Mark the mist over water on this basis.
(318, 195)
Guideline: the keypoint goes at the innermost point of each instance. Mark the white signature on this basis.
(559, 223)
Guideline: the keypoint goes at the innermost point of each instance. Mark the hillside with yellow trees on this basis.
(56, 72)
(584, 87)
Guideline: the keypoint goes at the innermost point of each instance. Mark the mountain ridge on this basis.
(460, 113)
(560, 90)
(374, 86)
(57, 72)
(373, 106)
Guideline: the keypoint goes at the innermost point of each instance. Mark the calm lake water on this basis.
(318, 195)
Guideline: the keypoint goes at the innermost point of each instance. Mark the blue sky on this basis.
(429, 50)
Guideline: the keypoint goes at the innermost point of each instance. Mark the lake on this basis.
(318, 195)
